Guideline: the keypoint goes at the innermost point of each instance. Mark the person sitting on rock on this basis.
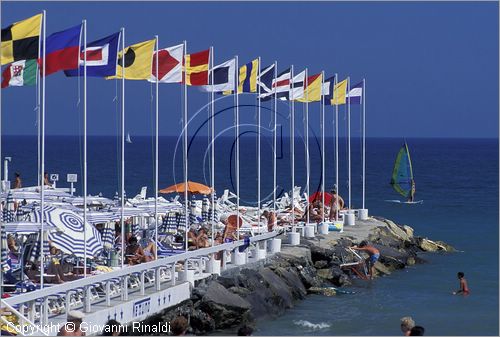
(373, 253)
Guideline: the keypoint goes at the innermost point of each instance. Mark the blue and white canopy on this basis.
(71, 238)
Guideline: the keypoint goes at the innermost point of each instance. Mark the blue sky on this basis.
(431, 68)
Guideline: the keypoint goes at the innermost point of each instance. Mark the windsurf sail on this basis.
(402, 175)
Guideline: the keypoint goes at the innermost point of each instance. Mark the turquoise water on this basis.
(456, 178)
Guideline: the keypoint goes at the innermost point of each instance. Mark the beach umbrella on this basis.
(169, 223)
(319, 196)
(204, 210)
(4, 250)
(192, 212)
(108, 235)
(35, 252)
(70, 238)
(181, 222)
(8, 210)
(192, 187)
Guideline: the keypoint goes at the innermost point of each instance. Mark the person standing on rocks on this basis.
(373, 253)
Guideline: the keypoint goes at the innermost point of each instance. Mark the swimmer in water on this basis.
(464, 289)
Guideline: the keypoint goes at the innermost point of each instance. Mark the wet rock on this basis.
(433, 246)
(325, 291)
(446, 246)
(381, 269)
(308, 276)
(226, 308)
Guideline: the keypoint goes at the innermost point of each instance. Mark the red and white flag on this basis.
(170, 65)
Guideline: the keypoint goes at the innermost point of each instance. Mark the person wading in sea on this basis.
(464, 289)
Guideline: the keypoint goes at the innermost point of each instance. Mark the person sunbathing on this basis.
(134, 254)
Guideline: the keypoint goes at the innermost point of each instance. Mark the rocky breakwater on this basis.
(267, 288)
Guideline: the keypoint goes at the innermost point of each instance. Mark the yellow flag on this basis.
(20, 40)
(312, 92)
(339, 93)
(138, 61)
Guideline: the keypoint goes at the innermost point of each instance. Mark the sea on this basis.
(457, 179)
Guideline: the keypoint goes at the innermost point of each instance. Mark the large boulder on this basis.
(292, 279)
(397, 231)
(226, 308)
(433, 246)
(278, 287)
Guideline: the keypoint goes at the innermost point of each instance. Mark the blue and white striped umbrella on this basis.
(35, 252)
(204, 210)
(4, 250)
(129, 211)
(170, 223)
(108, 235)
(96, 217)
(8, 210)
(192, 212)
(180, 219)
(71, 238)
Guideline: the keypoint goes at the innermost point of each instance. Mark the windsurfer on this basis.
(411, 196)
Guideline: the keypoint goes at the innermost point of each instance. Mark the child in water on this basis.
(464, 289)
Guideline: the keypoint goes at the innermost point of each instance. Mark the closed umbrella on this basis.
(192, 212)
(70, 238)
(204, 210)
(4, 250)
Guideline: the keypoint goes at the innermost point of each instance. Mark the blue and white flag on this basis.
(355, 93)
(265, 82)
(224, 77)
(101, 58)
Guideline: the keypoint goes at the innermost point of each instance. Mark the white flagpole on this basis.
(122, 185)
(308, 173)
(258, 149)
(323, 178)
(292, 120)
(185, 151)
(85, 145)
(363, 93)
(275, 134)
(39, 87)
(349, 137)
(42, 153)
(237, 112)
(156, 145)
(336, 148)
(212, 123)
